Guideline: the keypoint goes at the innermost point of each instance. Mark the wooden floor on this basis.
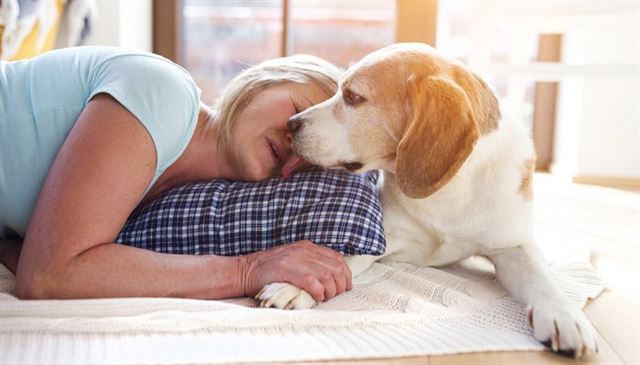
(608, 222)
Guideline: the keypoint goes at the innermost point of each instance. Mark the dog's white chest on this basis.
(477, 213)
(421, 236)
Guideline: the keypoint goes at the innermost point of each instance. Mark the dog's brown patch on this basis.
(526, 183)
(439, 136)
(484, 103)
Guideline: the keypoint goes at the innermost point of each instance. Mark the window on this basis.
(340, 31)
(221, 38)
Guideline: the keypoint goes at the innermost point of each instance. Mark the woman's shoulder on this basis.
(160, 93)
(134, 63)
(98, 52)
(127, 60)
(151, 86)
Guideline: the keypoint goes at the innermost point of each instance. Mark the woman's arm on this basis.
(10, 253)
(97, 179)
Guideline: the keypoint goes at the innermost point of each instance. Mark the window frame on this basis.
(416, 21)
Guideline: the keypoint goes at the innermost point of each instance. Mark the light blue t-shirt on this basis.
(41, 99)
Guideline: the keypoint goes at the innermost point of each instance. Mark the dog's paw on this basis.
(563, 328)
(284, 296)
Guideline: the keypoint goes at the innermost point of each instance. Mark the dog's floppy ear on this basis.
(439, 135)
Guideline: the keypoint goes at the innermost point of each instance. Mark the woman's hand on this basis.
(320, 271)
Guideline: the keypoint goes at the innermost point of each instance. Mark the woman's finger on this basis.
(328, 281)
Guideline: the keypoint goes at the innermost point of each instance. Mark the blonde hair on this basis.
(241, 90)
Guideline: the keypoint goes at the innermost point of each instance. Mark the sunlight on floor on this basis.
(574, 217)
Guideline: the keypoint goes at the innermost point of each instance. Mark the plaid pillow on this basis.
(332, 208)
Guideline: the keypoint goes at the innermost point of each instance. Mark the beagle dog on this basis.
(457, 178)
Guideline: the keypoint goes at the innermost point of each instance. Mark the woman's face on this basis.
(260, 143)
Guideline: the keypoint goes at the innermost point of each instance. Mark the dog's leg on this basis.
(287, 296)
(556, 322)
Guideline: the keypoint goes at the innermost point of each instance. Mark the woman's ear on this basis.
(439, 135)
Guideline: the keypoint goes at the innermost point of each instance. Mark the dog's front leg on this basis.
(285, 296)
(556, 322)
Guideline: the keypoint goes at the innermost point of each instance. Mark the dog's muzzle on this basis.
(295, 123)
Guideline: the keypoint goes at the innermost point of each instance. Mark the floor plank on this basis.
(618, 320)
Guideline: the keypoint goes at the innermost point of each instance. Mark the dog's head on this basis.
(404, 109)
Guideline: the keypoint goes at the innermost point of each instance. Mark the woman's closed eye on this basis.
(275, 151)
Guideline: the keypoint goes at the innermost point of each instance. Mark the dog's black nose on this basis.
(294, 124)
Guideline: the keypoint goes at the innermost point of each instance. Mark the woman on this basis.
(88, 133)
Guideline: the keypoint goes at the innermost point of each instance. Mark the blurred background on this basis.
(568, 70)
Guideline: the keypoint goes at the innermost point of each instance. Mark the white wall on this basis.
(598, 117)
(609, 135)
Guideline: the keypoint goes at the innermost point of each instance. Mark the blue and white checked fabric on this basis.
(331, 208)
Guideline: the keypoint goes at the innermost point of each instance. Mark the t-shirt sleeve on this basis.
(159, 93)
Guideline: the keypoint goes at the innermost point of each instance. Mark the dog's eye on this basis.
(352, 98)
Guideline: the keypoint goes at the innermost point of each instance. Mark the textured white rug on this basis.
(394, 310)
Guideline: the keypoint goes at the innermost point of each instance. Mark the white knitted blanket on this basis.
(393, 310)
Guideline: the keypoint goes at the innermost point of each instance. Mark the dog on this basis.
(457, 178)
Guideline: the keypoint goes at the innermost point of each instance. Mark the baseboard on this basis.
(624, 183)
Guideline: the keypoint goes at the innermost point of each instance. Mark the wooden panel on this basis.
(618, 320)
(605, 356)
(414, 360)
(544, 104)
(167, 23)
(611, 182)
(416, 21)
(286, 22)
